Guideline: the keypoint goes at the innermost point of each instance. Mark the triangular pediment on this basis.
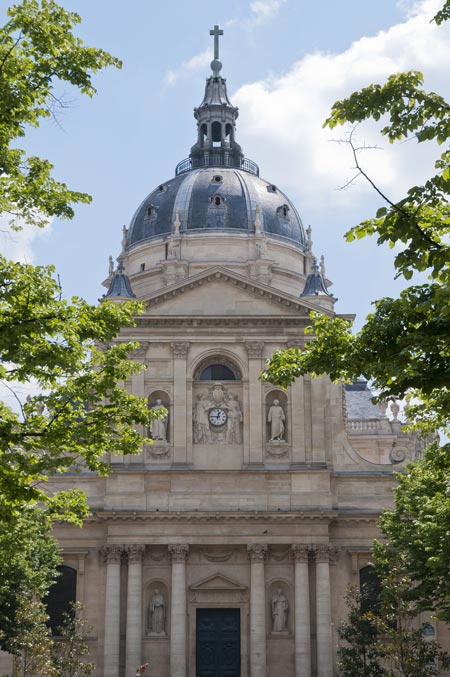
(218, 582)
(218, 291)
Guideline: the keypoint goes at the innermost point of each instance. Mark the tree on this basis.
(28, 560)
(360, 653)
(384, 639)
(403, 347)
(81, 410)
(38, 50)
(70, 651)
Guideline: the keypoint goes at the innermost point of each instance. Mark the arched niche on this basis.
(156, 609)
(156, 399)
(61, 598)
(280, 608)
(277, 421)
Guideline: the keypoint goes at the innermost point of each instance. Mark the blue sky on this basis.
(285, 61)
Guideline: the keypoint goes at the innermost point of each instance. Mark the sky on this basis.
(286, 62)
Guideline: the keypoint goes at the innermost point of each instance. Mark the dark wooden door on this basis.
(218, 650)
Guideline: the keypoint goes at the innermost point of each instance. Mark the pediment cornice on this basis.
(300, 307)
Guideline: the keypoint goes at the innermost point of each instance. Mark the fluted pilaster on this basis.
(257, 553)
(178, 555)
(134, 608)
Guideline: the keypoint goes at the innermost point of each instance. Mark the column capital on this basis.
(111, 553)
(255, 348)
(140, 352)
(300, 552)
(135, 552)
(178, 552)
(180, 348)
(257, 552)
(324, 552)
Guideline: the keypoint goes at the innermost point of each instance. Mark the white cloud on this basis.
(265, 9)
(281, 118)
(18, 245)
(189, 67)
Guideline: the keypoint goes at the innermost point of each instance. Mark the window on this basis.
(218, 179)
(61, 598)
(370, 586)
(217, 372)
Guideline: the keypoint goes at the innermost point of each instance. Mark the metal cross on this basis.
(216, 32)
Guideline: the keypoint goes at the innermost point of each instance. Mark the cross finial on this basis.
(215, 64)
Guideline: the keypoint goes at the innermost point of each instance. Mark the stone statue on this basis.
(280, 609)
(173, 249)
(201, 421)
(276, 418)
(156, 613)
(234, 421)
(158, 427)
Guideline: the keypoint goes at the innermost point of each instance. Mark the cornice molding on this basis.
(253, 287)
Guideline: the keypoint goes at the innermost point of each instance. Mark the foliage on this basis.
(32, 647)
(385, 639)
(29, 556)
(403, 346)
(69, 651)
(82, 411)
(360, 653)
(62, 348)
(37, 51)
(418, 528)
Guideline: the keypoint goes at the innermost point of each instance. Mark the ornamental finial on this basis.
(216, 65)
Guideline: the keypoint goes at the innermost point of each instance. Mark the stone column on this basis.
(178, 554)
(180, 413)
(134, 609)
(111, 649)
(300, 555)
(324, 555)
(255, 424)
(257, 553)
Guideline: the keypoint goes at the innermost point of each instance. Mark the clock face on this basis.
(217, 416)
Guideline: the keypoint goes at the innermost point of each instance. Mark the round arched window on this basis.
(217, 372)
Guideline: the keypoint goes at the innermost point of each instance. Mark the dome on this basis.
(216, 188)
(216, 199)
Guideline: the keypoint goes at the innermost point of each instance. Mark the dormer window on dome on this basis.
(283, 212)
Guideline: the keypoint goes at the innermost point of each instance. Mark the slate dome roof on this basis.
(216, 199)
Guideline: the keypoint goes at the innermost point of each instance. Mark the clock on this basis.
(218, 417)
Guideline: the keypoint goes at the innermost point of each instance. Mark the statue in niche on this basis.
(234, 421)
(280, 609)
(200, 419)
(156, 613)
(276, 418)
(158, 427)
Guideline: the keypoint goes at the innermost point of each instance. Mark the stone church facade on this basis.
(225, 548)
